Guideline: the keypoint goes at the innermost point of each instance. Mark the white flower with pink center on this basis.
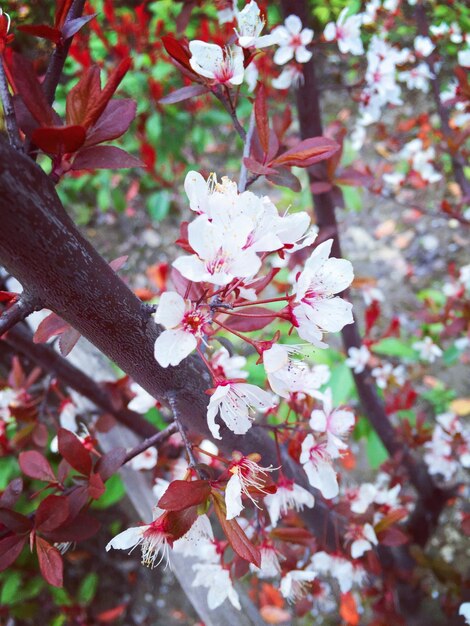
(287, 376)
(347, 32)
(184, 325)
(235, 403)
(270, 565)
(288, 496)
(250, 24)
(292, 40)
(142, 400)
(220, 249)
(291, 76)
(358, 358)
(225, 366)
(423, 46)
(428, 350)
(417, 78)
(295, 584)
(363, 538)
(145, 460)
(152, 538)
(335, 423)
(318, 466)
(223, 66)
(318, 309)
(246, 475)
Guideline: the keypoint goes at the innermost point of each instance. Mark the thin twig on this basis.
(246, 153)
(9, 111)
(19, 311)
(155, 440)
(228, 106)
(193, 464)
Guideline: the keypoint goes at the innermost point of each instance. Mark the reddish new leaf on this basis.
(67, 340)
(43, 31)
(12, 493)
(182, 494)
(10, 548)
(51, 513)
(177, 51)
(116, 264)
(74, 452)
(50, 563)
(63, 7)
(261, 117)
(96, 487)
(392, 536)
(72, 27)
(16, 522)
(59, 139)
(261, 318)
(35, 465)
(184, 94)
(284, 178)
(292, 535)
(177, 523)
(308, 152)
(87, 89)
(31, 91)
(104, 157)
(257, 168)
(82, 527)
(235, 535)
(114, 121)
(49, 327)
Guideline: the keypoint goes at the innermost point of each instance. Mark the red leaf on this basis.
(110, 463)
(49, 327)
(10, 548)
(35, 465)
(51, 513)
(62, 9)
(104, 157)
(96, 487)
(116, 264)
(86, 90)
(67, 340)
(177, 51)
(247, 324)
(181, 494)
(322, 186)
(82, 527)
(113, 122)
(284, 178)
(50, 563)
(257, 168)
(392, 536)
(261, 117)
(293, 535)
(43, 31)
(74, 452)
(11, 493)
(72, 27)
(59, 139)
(184, 94)
(308, 152)
(31, 91)
(111, 614)
(235, 535)
(348, 609)
(17, 523)
(177, 523)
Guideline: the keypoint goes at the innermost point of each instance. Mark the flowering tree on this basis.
(250, 416)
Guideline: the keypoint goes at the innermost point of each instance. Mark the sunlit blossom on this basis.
(246, 475)
(223, 66)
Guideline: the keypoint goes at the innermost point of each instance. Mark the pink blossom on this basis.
(288, 496)
(292, 41)
(224, 66)
(318, 466)
(246, 475)
(347, 32)
(335, 423)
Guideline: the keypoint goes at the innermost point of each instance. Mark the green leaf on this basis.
(158, 205)
(88, 588)
(375, 450)
(391, 346)
(8, 470)
(342, 384)
(10, 588)
(451, 355)
(115, 491)
(156, 418)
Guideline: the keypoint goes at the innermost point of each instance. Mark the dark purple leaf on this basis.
(104, 157)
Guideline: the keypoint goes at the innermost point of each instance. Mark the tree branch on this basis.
(17, 312)
(9, 111)
(154, 440)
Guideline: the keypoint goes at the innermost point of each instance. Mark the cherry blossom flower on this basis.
(428, 350)
(372, 294)
(335, 423)
(417, 78)
(142, 400)
(370, 12)
(339, 568)
(246, 475)
(270, 566)
(292, 41)
(358, 359)
(250, 25)
(423, 46)
(464, 611)
(251, 75)
(294, 584)
(223, 66)
(145, 460)
(234, 401)
(318, 466)
(318, 310)
(291, 76)
(153, 539)
(218, 581)
(420, 160)
(347, 32)
(394, 180)
(386, 374)
(463, 57)
(364, 539)
(184, 325)
(287, 376)
(288, 496)
(196, 541)
(225, 366)
(438, 456)
(220, 254)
